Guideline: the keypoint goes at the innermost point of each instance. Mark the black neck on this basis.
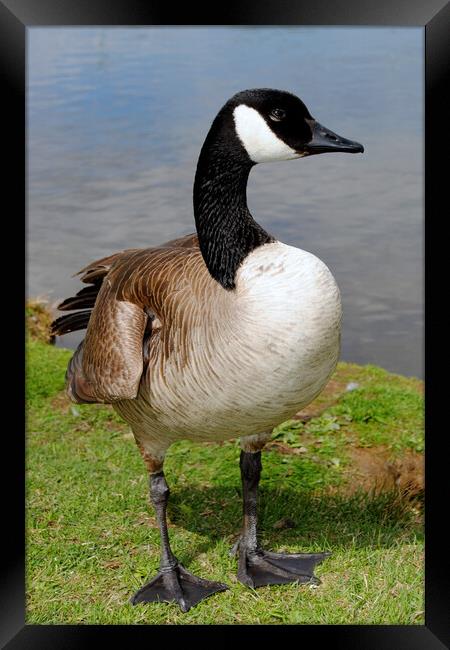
(226, 230)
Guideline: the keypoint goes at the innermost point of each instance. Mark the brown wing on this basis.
(188, 241)
(128, 290)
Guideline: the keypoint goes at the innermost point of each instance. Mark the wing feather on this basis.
(124, 289)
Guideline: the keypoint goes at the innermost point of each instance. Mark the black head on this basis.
(276, 125)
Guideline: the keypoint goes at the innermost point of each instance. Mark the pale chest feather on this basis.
(259, 353)
(292, 293)
(291, 316)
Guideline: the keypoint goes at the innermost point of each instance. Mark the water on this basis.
(116, 119)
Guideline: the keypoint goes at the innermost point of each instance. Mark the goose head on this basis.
(254, 126)
(275, 125)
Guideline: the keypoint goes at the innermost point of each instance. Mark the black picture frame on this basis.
(18, 15)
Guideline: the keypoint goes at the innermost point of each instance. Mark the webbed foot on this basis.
(177, 585)
(258, 568)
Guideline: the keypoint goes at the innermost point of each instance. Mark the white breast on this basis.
(291, 316)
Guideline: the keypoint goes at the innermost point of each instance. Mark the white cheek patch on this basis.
(260, 142)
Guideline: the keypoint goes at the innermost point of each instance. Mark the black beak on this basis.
(323, 141)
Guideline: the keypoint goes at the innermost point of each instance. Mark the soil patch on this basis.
(374, 470)
(38, 320)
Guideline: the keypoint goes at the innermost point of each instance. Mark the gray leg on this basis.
(159, 495)
(256, 567)
(250, 464)
(173, 582)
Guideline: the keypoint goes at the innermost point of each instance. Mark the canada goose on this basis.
(218, 335)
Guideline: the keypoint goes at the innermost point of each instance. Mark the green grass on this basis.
(92, 539)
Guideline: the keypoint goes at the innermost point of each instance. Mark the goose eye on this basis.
(277, 114)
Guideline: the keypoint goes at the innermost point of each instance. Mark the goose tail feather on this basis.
(83, 302)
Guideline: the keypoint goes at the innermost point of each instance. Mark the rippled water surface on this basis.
(116, 119)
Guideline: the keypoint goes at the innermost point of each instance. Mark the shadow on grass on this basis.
(314, 522)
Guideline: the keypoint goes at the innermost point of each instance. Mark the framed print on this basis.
(112, 105)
